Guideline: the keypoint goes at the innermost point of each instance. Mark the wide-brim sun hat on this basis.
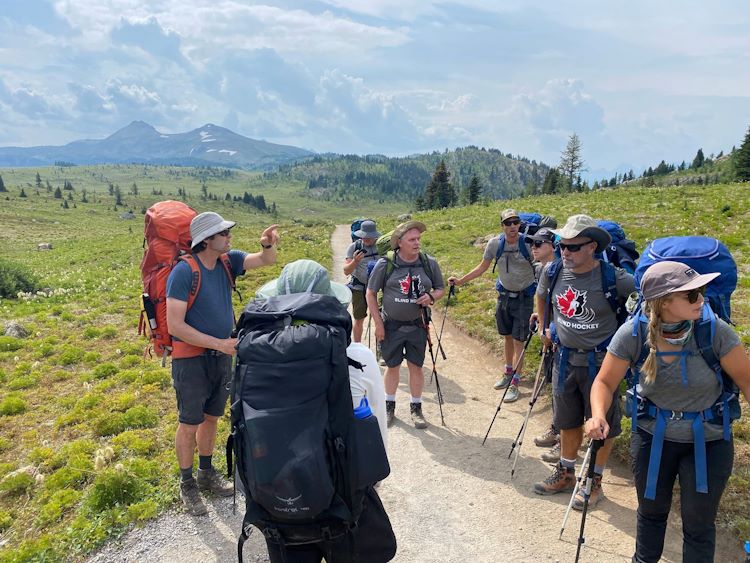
(667, 277)
(403, 228)
(305, 276)
(585, 226)
(206, 225)
(367, 230)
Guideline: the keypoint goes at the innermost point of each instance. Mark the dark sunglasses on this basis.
(510, 222)
(573, 247)
(224, 233)
(693, 294)
(539, 243)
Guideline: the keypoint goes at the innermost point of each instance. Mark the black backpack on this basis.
(304, 462)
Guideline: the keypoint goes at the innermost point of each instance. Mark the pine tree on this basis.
(134, 189)
(22, 194)
(118, 195)
(83, 196)
(742, 160)
(571, 162)
(2, 185)
(551, 182)
(38, 180)
(475, 190)
(58, 193)
(699, 160)
(440, 193)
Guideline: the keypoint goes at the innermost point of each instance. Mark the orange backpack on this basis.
(167, 240)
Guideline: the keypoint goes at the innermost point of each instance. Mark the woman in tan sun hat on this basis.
(680, 407)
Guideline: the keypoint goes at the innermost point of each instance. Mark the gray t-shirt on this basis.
(399, 303)
(514, 271)
(582, 315)
(667, 390)
(359, 275)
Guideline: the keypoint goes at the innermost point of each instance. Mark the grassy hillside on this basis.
(721, 211)
(87, 424)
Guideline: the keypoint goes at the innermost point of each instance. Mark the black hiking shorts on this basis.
(512, 315)
(202, 385)
(403, 341)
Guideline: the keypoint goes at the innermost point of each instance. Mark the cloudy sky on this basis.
(638, 80)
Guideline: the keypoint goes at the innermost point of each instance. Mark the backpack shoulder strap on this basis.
(705, 331)
(609, 287)
(195, 277)
(553, 272)
(500, 249)
(523, 248)
(425, 260)
(227, 263)
(390, 265)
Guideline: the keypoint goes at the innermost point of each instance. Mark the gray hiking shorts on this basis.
(512, 315)
(202, 385)
(403, 341)
(572, 405)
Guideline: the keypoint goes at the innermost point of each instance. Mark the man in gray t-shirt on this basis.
(515, 302)
(584, 321)
(360, 258)
(410, 281)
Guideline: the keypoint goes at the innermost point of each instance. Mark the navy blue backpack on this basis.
(621, 251)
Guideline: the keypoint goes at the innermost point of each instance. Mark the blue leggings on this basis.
(698, 510)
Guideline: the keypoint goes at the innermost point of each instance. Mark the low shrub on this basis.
(60, 501)
(114, 488)
(10, 344)
(16, 484)
(15, 278)
(104, 370)
(141, 511)
(12, 405)
(70, 355)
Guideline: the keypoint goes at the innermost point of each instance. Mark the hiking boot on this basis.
(191, 498)
(553, 455)
(390, 412)
(417, 417)
(512, 395)
(595, 497)
(562, 480)
(548, 439)
(502, 383)
(210, 480)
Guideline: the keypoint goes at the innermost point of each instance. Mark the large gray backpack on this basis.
(303, 460)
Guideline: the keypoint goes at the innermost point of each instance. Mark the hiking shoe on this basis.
(595, 497)
(390, 412)
(502, 383)
(191, 498)
(417, 417)
(548, 439)
(512, 395)
(562, 480)
(210, 480)
(553, 455)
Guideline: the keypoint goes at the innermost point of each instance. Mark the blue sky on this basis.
(638, 81)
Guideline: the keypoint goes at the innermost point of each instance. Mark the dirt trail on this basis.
(450, 499)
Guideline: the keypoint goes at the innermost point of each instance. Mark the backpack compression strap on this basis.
(523, 248)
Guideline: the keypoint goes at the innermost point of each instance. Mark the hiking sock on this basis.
(204, 462)
(416, 400)
(516, 379)
(569, 463)
(390, 397)
(186, 474)
(599, 468)
(508, 369)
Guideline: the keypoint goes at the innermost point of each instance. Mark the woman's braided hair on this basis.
(653, 308)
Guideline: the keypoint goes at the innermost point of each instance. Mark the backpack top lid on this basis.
(614, 229)
(170, 220)
(705, 255)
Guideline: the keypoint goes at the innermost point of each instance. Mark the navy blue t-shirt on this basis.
(211, 312)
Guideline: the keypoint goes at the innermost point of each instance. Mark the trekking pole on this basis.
(451, 291)
(579, 478)
(539, 384)
(369, 335)
(426, 326)
(595, 445)
(532, 330)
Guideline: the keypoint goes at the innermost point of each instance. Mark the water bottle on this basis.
(363, 410)
(747, 551)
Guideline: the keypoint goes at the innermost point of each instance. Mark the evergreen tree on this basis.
(475, 190)
(58, 193)
(571, 162)
(2, 185)
(22, 194)
(118, 195)
(38, 180)
(741, 159)
(699, 160)
(551, 182)
(439, 193)
(65, 204)
(83, 196)
(134, 189)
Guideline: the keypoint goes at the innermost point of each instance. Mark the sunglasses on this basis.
(510, 222)
(572, 247)
(693, 294)
(224, 233)
(539, 243)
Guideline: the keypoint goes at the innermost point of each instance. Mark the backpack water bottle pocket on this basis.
(284, 455)
(370, 461)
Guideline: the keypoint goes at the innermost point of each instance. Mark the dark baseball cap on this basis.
(542, 235)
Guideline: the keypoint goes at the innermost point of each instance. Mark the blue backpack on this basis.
(704, 255)
(621, 251)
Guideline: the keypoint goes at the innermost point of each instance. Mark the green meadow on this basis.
(87, 422)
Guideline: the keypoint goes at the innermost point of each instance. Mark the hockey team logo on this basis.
(571, 304)
(411, 287)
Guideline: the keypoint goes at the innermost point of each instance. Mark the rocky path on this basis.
(450, 499)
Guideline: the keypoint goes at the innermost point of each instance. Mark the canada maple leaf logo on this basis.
(570, 303)
(406, 283)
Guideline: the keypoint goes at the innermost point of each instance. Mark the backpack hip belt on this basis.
(644, 408)
(182, 350)
(564, 355)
